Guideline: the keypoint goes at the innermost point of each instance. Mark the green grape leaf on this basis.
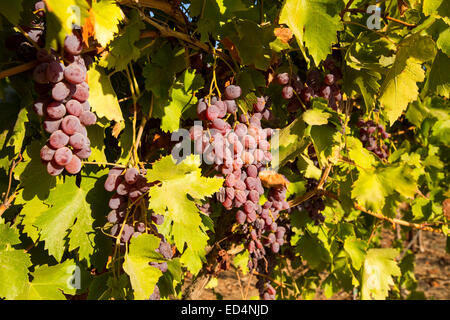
(123, 49)
(60, 16)
(399, 87)
(241, 261)
(307, 168)
(96, 136)
(14, 266)
(107, 18)
(69, 215)
(356, 250)
(379, 267)
(30, 211)
(364, 82)
(173, 108)
(315, 117)
(49, 283)
(360, 155)
(439, 80)
(171, 199)
(326, 142)
(440, 8)
(314, 22)
(8, 236)
(143, 277)
(33, 176)
(289, 142)
(102, 97)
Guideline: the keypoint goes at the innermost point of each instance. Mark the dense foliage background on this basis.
(151, 63)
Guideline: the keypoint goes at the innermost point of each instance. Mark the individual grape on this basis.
(78, 141)
(241, 217)
(40, 73)
(70, 124)
(88, 118)
(74, 107)
(86, 106)
(55, 72)
(231, 106)
(39, 106)
(63, 156)
(72, 44)
(158, 219)
(58, 139)
(112, 216)
(283, 78)
(127, 232)
(212, 113)
(74, 166)
(110, 182)
(325, 92)
(44, 56)
(54, 169)
(131, 175)
(115, 202)
(83, 153)
(259, 105)
(233, 92)
(201, 110)
(51, 125)
(56, 110)
(62, 90)
(47, 153)
(240, 130)
(75, 73)
(329, 79)
(81, 92)
(222, 107)
(287, 92)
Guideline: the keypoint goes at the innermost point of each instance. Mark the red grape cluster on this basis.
(239, 152)
(317, 85)
(130, 187)
(371, 135)
(62, 102)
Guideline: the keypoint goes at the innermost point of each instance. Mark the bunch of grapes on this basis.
(372, 135)
(317, 85)
(239, 152)
(315, 205)
(266, 290)
(62, 102)
(131, 187)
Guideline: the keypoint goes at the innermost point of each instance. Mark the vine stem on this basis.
(104, 164)
(397, 221)
(18, 69)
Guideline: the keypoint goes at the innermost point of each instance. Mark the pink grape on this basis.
(39, 106)
(287, 92)
(72, 44)
(88, 118)
(62, 90)
(74, 166)
(233, 92)
(283, 78)
(131, 175)
(75, 73)
(70, 124)
(47, 153)
(63, 156)
(81, 92)
(40, 73)
(51, 125)
(110, 183)
(78, 141)
(54, 169)
(55, 72)
(74, 107)
(58, 139)
(83, 153)
(212, 112)
(56, 110)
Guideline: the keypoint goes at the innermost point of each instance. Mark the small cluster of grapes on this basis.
(266, 290)
(370, 135)
(62, 101)
(130, 186)
(316, 86)
(315, 205)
